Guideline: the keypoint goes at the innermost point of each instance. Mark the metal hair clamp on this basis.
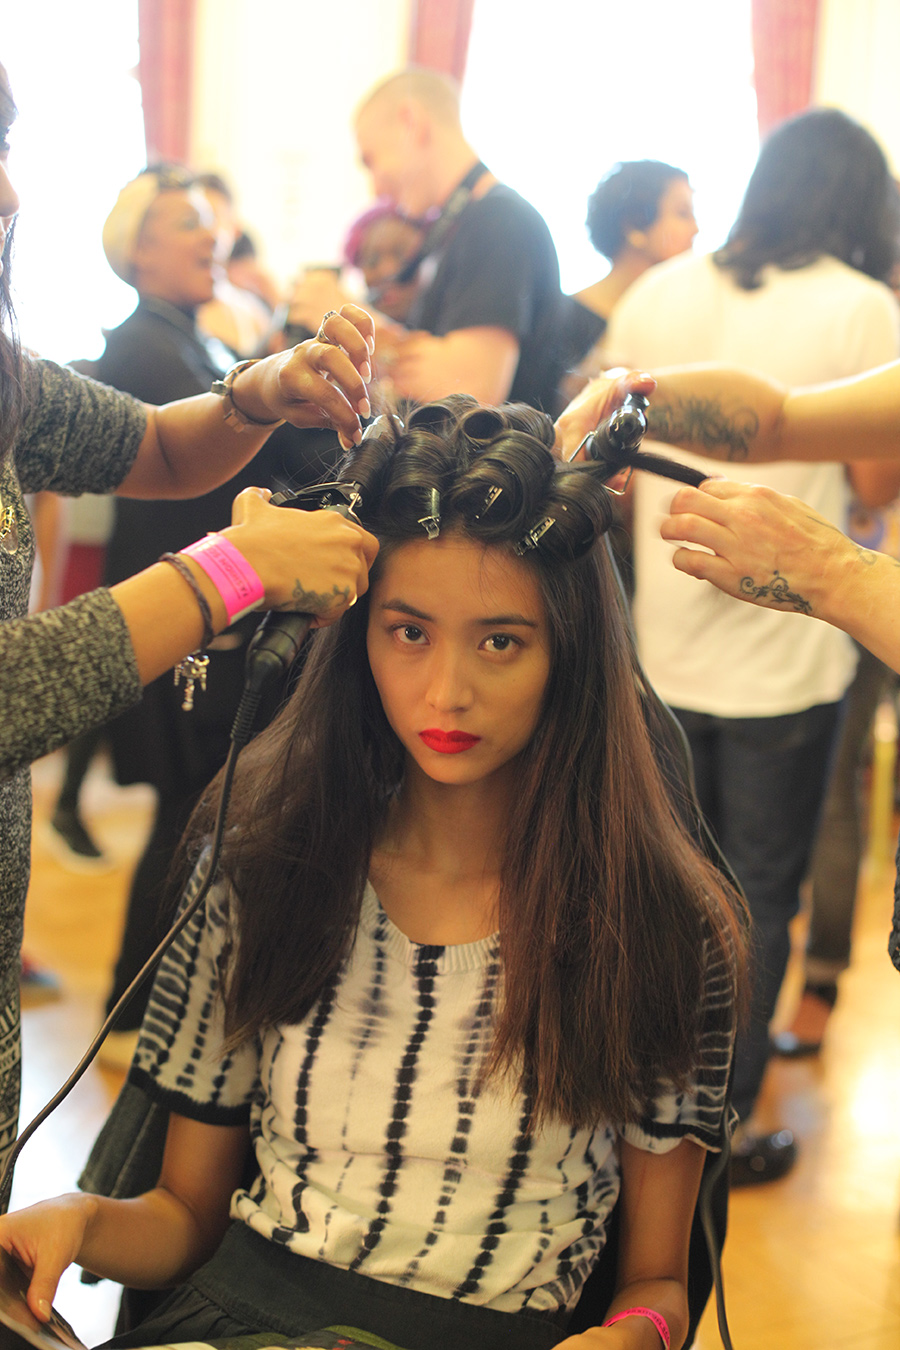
(534, 535)
(432, 523)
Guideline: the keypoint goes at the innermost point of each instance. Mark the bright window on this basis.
(78, 139)
(557, 91)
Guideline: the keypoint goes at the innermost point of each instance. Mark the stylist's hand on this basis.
(596, 401)
(316, 562)
(44, 1239)
(764, 547)
(316, 384)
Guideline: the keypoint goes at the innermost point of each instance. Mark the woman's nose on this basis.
(449, 688)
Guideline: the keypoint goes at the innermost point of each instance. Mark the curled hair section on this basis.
(490, 473)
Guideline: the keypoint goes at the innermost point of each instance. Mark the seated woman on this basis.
(463, 980)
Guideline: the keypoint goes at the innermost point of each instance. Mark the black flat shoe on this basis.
(759, 1158)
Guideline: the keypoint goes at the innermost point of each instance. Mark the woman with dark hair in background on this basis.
(66, 669)
(799, 293)
(463, 971)
(639, 214)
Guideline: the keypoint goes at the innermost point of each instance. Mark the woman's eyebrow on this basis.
(513, 620)
(404, 607)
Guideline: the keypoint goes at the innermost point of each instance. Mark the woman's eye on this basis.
(500, 642)
(409, 634)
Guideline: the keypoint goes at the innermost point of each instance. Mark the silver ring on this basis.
(322, 336)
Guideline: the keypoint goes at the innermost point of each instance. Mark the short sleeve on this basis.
(493, 274)
(76, 435)
(181, 1059)
(699, 1112)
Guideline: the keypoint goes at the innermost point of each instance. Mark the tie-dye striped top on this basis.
(377, 1152)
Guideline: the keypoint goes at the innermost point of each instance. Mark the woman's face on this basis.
(459, 648)
(175, 251)
(388, 244)
(673, 230)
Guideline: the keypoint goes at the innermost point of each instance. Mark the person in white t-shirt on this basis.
(797, 292)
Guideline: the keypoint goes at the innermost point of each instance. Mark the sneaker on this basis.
(758, 1158)
(71, 844)
(37, 986)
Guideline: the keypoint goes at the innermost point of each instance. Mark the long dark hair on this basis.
(10, 355)
(821, 185)
(608, 912)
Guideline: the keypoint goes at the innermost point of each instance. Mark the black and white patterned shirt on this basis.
(376, 1151)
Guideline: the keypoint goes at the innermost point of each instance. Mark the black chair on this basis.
(704, 1257)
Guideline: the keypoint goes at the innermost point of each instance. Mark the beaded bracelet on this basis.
(228, 570)
(656, 1318)
(183, 570)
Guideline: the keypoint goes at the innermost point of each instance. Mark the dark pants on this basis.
(760, 783)
(252, 1285)
(839, 843)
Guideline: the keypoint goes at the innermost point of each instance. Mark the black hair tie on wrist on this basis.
(183, 570)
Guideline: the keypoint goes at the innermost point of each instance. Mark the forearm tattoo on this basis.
(779, 590)
(703, 422)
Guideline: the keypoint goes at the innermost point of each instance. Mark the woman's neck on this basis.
(436, 868)
(604, 294)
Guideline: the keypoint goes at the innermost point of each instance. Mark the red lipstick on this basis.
(448, 742)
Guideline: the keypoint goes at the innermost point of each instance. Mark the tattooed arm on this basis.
(778, 552)
(732, 414)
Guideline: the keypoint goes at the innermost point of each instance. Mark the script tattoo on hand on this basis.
(779, 590)
(704, 422)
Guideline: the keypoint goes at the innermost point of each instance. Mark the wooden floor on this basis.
(811, 1261)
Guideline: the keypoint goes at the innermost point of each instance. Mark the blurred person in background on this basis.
(238, 317)
(798, 292)
(488, 279)
(640, 213)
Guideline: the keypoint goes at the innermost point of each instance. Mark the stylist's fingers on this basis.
(324, 381)
(247, 503)
(598, 399)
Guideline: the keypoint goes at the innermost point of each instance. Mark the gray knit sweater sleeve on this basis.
(73, 667)
(63, 671)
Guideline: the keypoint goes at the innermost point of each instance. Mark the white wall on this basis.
(276, 82)
(857, 66)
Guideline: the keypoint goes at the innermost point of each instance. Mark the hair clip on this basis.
(492, 495)
(432, 523)
(534, 536)
(380, 424)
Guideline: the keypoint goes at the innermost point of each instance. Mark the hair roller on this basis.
(482, 425)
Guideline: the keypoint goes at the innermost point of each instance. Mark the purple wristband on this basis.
(656, 1318)
(228, 570)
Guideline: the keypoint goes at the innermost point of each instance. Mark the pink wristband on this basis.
(656, 1318)
(228, 570)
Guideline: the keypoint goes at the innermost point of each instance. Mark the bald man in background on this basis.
(488, 303)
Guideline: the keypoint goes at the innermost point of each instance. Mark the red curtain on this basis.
(165, 68)
(439, 35)
(784, 43)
